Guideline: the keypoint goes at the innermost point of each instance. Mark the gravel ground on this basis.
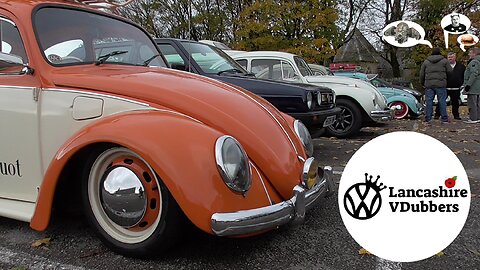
(322, 242)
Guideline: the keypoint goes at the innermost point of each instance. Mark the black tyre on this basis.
(127, 204)
(349, 122)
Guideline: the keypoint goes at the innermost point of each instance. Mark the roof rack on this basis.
(110, 5)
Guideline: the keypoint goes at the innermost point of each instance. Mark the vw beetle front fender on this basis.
(179, 149)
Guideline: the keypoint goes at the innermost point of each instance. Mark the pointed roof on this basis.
(357, 49)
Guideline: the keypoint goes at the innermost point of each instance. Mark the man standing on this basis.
(454, 81)
(433, 76)
(472, 85)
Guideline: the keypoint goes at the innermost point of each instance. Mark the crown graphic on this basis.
(375, 185)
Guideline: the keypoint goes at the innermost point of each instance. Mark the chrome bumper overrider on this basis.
(259, 219)
(384, 115)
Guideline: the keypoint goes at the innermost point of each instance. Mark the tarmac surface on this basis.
(321, 242)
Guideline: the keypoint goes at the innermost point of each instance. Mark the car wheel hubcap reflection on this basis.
(123, 197)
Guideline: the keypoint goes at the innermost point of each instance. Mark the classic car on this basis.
(361, 103)
(313, 105)
(139, 147)
(406, 102)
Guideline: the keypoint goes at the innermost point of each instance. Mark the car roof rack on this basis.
(108, 5)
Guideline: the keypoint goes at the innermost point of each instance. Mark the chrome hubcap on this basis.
(123, 197)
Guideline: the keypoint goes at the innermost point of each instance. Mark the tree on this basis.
(302, 27)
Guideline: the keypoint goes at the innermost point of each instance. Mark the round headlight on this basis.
(232, 163)
(319, 98)
(309, 100)
(304, 135)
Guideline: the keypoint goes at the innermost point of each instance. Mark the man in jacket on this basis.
(433, 76)
(454, 81)
(472, 85)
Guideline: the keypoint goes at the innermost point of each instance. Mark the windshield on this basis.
(212, 60)
(303, 66)
(73, 37)
(380, 83)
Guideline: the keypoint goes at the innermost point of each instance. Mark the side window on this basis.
(171, 54)
(243, 63)
(267, 69)
(11, 44)
(288, 71)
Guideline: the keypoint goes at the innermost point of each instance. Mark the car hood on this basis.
(263, 87)
(262, 130)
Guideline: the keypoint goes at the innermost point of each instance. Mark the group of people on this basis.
(442, 78)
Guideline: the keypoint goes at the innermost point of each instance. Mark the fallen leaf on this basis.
(41, 242)
(335, 158)
(440, 254)
(348, 152)
(476, 252)
(467, 151)
(363, 251)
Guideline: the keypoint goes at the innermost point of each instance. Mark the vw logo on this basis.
(363, 200)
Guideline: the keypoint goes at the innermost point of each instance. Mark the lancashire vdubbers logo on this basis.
(423, 200)
(364, 200)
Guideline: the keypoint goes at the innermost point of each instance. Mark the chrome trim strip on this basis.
(269, 217)
(263, 183)
(18, 87)
(382, 115)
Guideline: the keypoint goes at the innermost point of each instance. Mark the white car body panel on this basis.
(26, 162)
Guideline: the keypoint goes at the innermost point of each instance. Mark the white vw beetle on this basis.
(362, 104)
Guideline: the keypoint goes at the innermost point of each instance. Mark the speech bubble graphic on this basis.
(454, 23)
(467, 40)
(404, 34)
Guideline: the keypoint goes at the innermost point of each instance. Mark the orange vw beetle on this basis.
(139, 144)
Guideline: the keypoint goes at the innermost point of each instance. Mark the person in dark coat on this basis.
(433, 76)
(454, 81)
(472, 85)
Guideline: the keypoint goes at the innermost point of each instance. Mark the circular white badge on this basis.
(404, 196)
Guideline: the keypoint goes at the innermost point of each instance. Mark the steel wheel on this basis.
(348, 122)
(128, 205)
(402, 112)
(114, 174)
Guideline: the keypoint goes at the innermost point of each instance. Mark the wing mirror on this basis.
(178, 66)
(13, 65)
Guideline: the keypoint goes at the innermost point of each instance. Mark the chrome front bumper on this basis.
(384, 115)
(268, 217)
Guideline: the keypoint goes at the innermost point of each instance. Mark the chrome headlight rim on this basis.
(306, 142)
(219, 158)
(309, 100)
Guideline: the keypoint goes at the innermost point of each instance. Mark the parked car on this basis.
(138, 146)
(403, 100)
(361, 103)
(313, 105)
